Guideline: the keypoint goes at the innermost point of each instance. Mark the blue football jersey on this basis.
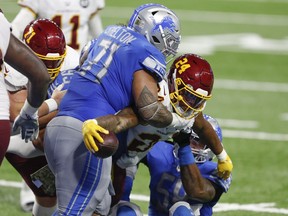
(165, 184)
(63, 77)
(103, 84)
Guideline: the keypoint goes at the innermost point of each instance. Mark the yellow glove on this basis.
(225, 165)
(90, 132)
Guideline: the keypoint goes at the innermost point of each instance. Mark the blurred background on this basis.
(246, 43)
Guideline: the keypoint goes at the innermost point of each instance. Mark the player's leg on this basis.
(36, 175)
(17, 146)
(4, 138)
(27, 197)
(82, 179)
(125, 208)
(181, 208)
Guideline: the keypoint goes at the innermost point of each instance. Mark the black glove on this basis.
(182, 138)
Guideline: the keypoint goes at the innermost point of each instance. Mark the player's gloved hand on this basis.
(182, 138)
(90, 132)
(225, 165)
(27, 120)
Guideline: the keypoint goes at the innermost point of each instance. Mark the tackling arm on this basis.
(196, 187)
(146, 97)
(122, 121)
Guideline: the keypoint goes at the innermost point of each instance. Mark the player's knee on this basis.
(181, 209)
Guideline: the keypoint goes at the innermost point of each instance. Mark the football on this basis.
(109, 147)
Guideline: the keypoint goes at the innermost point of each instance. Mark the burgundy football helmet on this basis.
(47, 41)
(190, 82)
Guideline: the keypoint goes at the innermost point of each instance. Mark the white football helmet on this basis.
(159, 25)
(199, 149)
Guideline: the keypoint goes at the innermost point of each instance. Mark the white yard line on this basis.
(235, 123)
(241, 134)
(284, 116)
(233, 42)
(245, 85)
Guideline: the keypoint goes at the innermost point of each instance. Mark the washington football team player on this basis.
(14, 52)
(47, 41)
(79, 20)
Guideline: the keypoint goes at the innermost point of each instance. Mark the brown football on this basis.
(109, 147)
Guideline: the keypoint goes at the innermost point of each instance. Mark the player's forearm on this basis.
(196, 187)
(32, 67)
(124, 120)
(211, 139)
(207, 134)
(45, 119)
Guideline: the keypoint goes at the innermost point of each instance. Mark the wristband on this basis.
(28, 110)
(175, 120)
(222, 156)
(185, 156)
(89, 120)
(52, 104)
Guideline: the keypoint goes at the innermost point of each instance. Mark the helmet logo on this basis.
(29, 35)
(182, 65)
(166, 23)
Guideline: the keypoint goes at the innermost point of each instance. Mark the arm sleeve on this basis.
(4, 35)
(22, 19)
(95, 25)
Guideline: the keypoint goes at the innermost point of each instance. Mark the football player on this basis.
(79, 19)
(190, 84)
(20, 56)
(122, 69)
(47, 41)
(183, 178)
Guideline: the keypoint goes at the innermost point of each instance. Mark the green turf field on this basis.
(246, 43)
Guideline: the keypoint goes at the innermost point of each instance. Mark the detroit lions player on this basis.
(176, 183)
(47, 41)
(122, 69)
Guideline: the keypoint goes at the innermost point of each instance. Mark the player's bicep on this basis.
(145, 89)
